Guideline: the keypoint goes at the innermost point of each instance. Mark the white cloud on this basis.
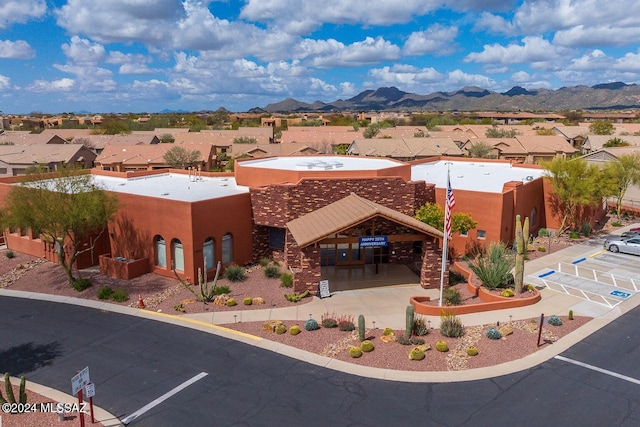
(520, 77)
(82, 51)
(305, 16)
(348, 89)
(629, 62)
(534, 49)
(494, 23)
(20, 11)
(596, 35)
(5, 82)
(19, 49)
(130, 63)
(407, 76)
(437, 40)
(368, 51)
(594, 60)
(44, 86)
(90, 78)
(459, 78)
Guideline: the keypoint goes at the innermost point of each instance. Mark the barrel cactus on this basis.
(247, 301)
(231, 302)
(416, 354)
(442, 346)
(388, 331)
(311, 325)
(472, 351)
(294, 330)
(493, 334)
(281, 329)
(555, 320)
(507, 293)
(366, 346)
(355, 352)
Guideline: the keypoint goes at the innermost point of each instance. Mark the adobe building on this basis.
(314, 214)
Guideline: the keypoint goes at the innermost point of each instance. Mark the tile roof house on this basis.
(16, 160)
(121, 158)
(545, 147)
(404, 148)
(596, 142)
(503, 148)
(21, 138)
(574, 135)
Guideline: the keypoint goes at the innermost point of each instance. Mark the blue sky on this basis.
(149, 55)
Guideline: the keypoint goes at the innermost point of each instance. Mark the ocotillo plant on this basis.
(522, 240)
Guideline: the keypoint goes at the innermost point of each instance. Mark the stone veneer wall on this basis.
(278, 204)
(431, 265)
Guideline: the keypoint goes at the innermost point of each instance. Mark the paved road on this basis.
(133, 361)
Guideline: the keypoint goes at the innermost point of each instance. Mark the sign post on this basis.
(540, 328)
(90, 389)
(78, 382)
(324, 289)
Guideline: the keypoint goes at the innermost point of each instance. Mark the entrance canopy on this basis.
(346, 213)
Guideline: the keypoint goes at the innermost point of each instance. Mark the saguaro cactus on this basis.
(361, 327)
(522, 240)
(409, 321)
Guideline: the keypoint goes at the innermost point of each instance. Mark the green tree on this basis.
(481, 150)
(181, 158)
(245, 140)
(167, 138)
(616, 142)
(113, 126)
(601, 127)
(495, 132)
(67, 208)
(623, 173)
(545, 131)
(576, 184)
(372, 130)
(433, 214)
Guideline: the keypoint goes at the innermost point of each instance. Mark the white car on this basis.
(627, 246)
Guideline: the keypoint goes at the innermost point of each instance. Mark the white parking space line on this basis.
(162, 398)
(595, 368)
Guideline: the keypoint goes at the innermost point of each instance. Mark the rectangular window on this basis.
(482, 234)
(276, 238)
(464, 233)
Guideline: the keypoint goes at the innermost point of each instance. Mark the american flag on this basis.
(451, 202)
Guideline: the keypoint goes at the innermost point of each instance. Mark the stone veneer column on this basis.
(431, 265)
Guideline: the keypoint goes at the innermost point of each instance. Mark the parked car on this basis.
(630, 233)
(627, 246)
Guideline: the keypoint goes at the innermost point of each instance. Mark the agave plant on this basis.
(494, 266)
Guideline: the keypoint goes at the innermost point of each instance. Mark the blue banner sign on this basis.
(372, 241)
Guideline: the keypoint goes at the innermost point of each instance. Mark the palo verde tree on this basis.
(576, 185)
(623, 173)
(433, 214)
(67, 208)
(181, 158)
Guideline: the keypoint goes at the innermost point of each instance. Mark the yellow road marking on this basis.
(201, 323)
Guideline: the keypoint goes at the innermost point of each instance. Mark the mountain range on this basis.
(607, 96)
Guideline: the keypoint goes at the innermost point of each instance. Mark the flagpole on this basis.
(445, 238)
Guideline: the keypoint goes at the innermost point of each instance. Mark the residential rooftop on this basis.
(487, 177)
(321, 163)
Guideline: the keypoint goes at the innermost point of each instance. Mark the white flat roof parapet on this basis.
(173, 186)
(473, 176)
(317, 163)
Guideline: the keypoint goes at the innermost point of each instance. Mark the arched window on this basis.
(208, 250)
(534, 214)
(177, 254)
(161, 251)
(227, 248)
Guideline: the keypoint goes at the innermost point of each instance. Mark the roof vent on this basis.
(164, 194)
(122, 184)
(529, 178)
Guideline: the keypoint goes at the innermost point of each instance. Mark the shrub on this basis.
(281, 329)
(329, 323)
(105, 292)
(231, 302)
(451, 296)
(179, 307)
(542, 249)
(264, 262)
(507, 293)
(442, 346)
(554, 320)
(247, 301)
(420, 325)
(616, 224)
(120, 295)
(416, 354)
(286, 280)
(311, 325)
(366, 346)
(388, 331)
(402, 339)
(472, 351)
(9, 254)
(272, 272)
(81, 284)
(234, 273)
(570, 314)
(455, 278)
(355, 352)
(219, 290)
(543, 232)
(493, 267)
(574, 235)
(294, 330)
(451, 326)
(585, 229)
(493, 334)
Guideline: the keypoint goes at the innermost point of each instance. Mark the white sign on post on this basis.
(80, 380)
(324, 289)
(90, 390)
